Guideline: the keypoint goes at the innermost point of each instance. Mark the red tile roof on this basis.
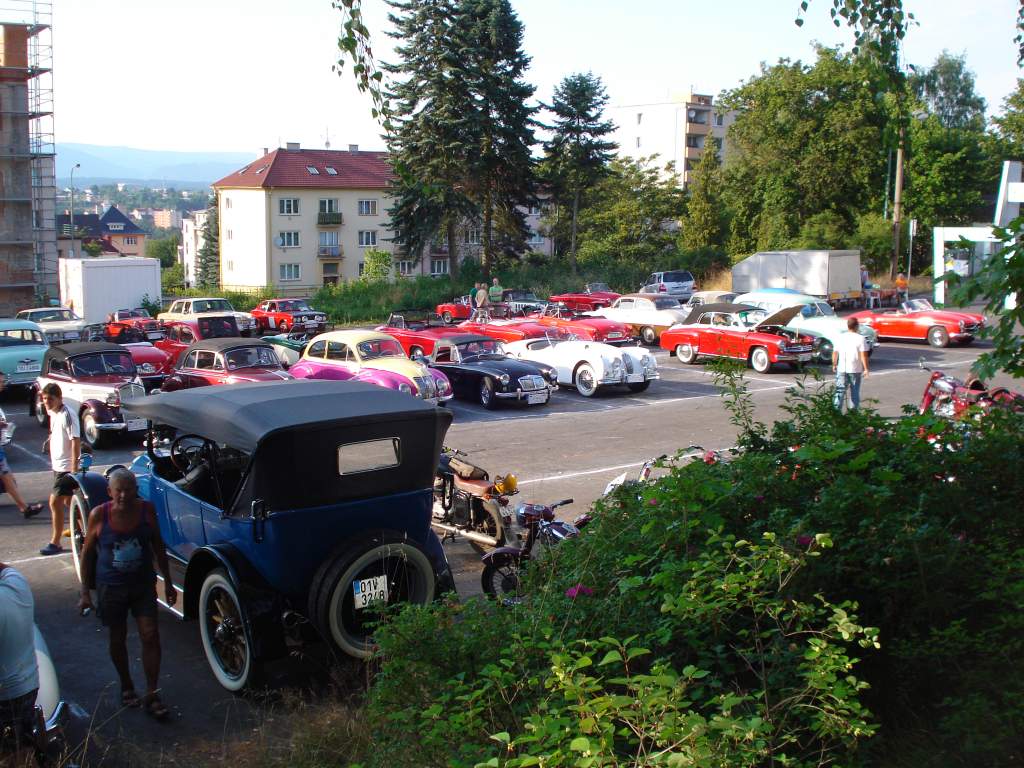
(290, 168)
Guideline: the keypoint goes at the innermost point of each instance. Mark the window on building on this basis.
(719, 120)
(367, 238)
(312, 171)
(231, 234)
(472, 237)
(288, 206)
(331, 268)
(361, 267)
(693, 141)
(438, 267)
(536, 238)
(288, 272)
(639, 117)
(404, 266)
(328, 237)
(289, 239)
(367, 207)
(129, 240)
(638, 142)
(227, 201)
(331, 171)
(231, 265)
(329, 205)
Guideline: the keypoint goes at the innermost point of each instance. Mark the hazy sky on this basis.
(237, 75)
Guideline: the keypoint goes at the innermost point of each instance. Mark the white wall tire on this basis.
(938, 336)
(410, 578)
(222, 629)
(42, 417)
(447, 317)
(649, 335)
(92, 435)
(584, 380)
(78, 514)
(686, 354)
(759, 360)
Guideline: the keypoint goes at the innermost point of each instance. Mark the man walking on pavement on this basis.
(65, 449)
(850, 364)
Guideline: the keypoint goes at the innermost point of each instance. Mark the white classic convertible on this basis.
(588, 365)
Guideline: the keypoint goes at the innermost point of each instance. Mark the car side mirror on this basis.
(258, 515)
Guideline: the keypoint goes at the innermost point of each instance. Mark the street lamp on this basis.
(72, 249)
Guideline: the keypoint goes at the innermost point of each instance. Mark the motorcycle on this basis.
(503, 567)
(947, 396)
(468, 505)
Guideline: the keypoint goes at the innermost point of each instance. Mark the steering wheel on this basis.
(184, 457)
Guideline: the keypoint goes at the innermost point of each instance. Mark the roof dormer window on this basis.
(261, 169)
(244, 169)
(312, 171)
(115, 227)
(331, 171)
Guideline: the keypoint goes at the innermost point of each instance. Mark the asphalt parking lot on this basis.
(569, 448)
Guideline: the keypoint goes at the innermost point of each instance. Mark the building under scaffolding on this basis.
(28, 235)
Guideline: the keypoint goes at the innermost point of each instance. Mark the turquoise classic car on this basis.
(22, 345)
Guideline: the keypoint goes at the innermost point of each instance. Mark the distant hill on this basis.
(101, 164)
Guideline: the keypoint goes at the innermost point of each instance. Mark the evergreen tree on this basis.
(208, 258)
(499, 178)
(702, 226)
(577, 155)
(429, 143)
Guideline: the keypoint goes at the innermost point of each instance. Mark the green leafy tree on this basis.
(577, 154)
(92, 248)
(947, 89)
(164, 249)
(376, 265)
(824, 230)
(1010, 124)
(208, 257)
(703, 225)
(172, 278)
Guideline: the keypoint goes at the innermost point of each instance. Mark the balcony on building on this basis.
(328, 219)
(329, 251)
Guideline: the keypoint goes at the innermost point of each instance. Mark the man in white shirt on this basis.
(19, 673)
(850, 364)
(65, 449)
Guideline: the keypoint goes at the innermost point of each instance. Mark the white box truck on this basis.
(94, 288)
(832, 275)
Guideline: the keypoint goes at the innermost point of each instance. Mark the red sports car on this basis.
(583, 327)
(459, 308)
(594, 296)
(226, 361)
(154, 365)
(283, 315)
(515, 329)
(121, 320)
(918, 320)
(741, 332)
(180, 334)
(417, 331)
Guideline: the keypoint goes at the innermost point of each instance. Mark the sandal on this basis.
(156, 708)
(129, 698)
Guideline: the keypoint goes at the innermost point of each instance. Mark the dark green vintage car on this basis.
(289, 346)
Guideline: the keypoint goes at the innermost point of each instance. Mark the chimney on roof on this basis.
(353, 147)
(292, 146)
(265, 151)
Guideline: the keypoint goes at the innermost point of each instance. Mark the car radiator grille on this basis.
(426, 386)
(972, 328)
(527, 383)
(627, 361)
(130, 391)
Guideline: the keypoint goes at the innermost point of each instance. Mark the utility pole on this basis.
(71, 251)
(897, 210)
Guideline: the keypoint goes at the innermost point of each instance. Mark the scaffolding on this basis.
(28, 240)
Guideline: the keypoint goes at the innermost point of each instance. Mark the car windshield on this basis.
(817, 309)
(251, 357)
(103, 364)
(476, 350)
(678, 277)
(294, 306)
(523, 296)
(52, 315)
(140, 313)
(20, 337)
(374, 348)
(597, 288)
(666, 303)
(917, 305)
(752, 317)
(212, 305)
(556, 335)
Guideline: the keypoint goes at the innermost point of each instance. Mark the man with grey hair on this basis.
(121, 542)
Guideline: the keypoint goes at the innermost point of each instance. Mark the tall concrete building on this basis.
(28, 235)
(677, 130)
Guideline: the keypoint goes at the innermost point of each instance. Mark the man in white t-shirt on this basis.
(65, 450)
(850, 364)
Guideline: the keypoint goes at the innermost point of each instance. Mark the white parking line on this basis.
(40, 557)
(30, 454)
(581, 473)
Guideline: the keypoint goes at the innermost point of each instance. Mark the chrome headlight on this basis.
(113, 400)
(553, 375)
(649, 362)
(616, 367)
(504, 379)
(403, 387)
(443, 386)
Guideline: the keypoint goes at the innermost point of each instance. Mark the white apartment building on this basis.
(191, 241)
(300, 218)
(676, 130)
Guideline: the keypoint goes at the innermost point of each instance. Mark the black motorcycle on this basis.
(468, 505)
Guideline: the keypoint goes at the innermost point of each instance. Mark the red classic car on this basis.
(226, 361)
(153, 364)
(180, 334)
(514, 329)
(459, 308)
(583, 327)
(918, 320)
(417, 331)
(282, 315)
(741, 332)
(139, 319)
(594, 296)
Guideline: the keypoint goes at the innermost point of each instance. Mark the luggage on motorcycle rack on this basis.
(467, 471)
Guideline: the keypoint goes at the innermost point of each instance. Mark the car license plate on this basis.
(134, 425)
(536, 397)
(634, 377)
(366, 591)
(155, 335)
(28, 367)
(804, 357)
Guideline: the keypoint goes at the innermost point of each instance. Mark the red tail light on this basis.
(662, 288)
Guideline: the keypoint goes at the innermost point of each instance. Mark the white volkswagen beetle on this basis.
(588, 365)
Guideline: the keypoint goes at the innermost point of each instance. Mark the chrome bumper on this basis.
(522, 394)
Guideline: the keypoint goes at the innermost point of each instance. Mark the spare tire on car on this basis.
(386, 566)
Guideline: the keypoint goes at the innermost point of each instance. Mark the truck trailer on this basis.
(831, 275)
(94, 288)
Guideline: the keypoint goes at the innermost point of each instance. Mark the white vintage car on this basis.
(59, 324)
(588, 365)
(189, 309)
(646, 314)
